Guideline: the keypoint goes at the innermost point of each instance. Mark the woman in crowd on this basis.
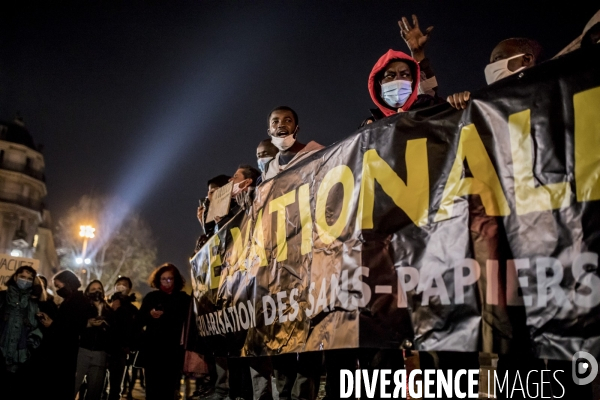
(41, 359)
(19, 332)
(63, 333)
(92, 360)
(163, 314)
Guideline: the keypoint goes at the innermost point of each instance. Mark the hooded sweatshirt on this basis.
(375, 87)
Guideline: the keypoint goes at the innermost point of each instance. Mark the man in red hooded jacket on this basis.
(399, 82)
(394, 86)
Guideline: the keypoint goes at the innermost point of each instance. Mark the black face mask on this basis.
(63, 292)
(95, 296)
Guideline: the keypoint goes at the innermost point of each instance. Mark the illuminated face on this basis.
(26, 275)
(211, 189)
(507, 49)
(167, 280)
(238, 177)
(125, 284)
(282, 123)
(397, 71)
(95, 287)
(266, 150)
(58, 284)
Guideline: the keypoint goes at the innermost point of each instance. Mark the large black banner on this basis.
(452, 230)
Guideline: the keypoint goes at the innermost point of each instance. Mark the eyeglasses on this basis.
(167, 279)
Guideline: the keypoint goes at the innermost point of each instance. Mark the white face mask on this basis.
(262, 163)
(395, 93)
(499, 70)
(121, 289)
(236, 188)
(284, 143)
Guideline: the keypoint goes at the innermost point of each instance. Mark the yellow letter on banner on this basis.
(530, 198)
(340, 174)
(257, 248)
(215, 260)
(279, 204)
(305, 218)
(587, 144)
(412, 197)
(485, 181)
(239, 250)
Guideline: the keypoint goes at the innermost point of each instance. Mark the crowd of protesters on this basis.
(397, 83)
(86, 347)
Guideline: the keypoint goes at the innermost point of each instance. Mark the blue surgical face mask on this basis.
(262, 163)
(395, 93)
(23, 283)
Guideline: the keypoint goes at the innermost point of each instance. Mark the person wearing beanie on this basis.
(64, 331)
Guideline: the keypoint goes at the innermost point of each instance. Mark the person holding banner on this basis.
(296, 375)
(399, 82)
(283, 129)
(508, 57)
(19, 332)
(393, 86)
(265, 152)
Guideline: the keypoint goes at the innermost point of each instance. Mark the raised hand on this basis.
(414, 38)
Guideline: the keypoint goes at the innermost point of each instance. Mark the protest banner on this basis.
(470, 230)
(9, 264)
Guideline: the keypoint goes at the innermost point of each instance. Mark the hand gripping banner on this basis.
(473, 230)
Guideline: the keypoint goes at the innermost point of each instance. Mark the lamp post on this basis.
(86, 232)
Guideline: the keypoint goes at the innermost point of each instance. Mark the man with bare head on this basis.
(508, 57)
(265, 152)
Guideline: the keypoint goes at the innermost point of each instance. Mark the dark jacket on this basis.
(123, 332)
(63, 343)
(19, 333)
(97, 338)
(414, 101)
(69, 323)
(162, 336)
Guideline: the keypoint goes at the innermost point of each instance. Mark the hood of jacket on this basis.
(375, 88)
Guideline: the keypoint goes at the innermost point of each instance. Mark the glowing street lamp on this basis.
(86, 232)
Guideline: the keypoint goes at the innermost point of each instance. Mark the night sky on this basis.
(147, 101)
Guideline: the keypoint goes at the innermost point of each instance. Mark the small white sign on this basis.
(219, 206)
(9, 264)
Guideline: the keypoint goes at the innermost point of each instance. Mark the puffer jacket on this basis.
(19, 331)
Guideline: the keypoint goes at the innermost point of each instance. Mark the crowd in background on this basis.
(93, 347)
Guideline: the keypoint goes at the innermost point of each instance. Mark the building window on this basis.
(35, 240)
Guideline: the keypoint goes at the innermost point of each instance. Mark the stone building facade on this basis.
(25, 223)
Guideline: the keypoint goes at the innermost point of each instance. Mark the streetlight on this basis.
(86, 232)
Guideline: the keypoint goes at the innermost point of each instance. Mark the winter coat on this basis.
(273, 168)
(69, 323)
(97, 338)
(19, 331)
(161, 339)
(123, 333)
